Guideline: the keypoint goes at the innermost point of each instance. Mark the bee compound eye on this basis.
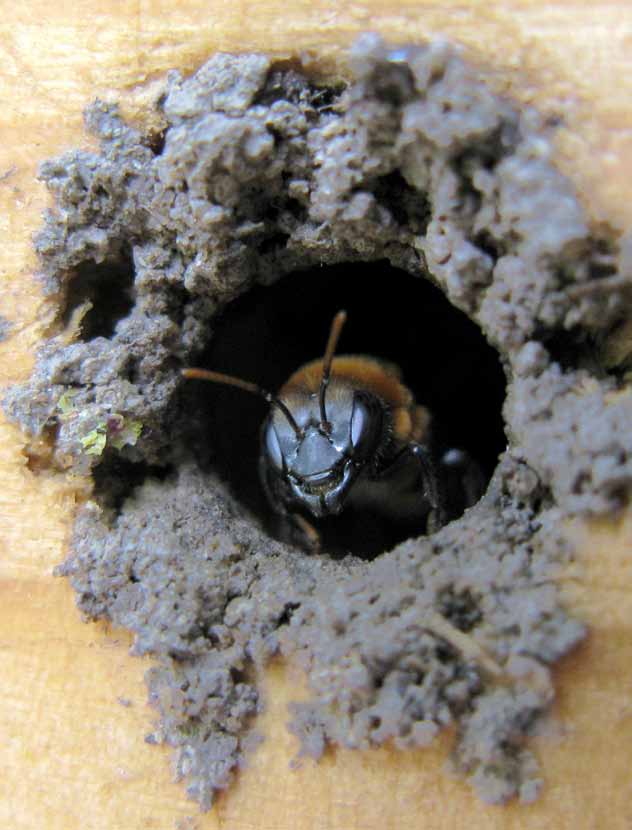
(359, 423)
(273, 448)
(365, 428)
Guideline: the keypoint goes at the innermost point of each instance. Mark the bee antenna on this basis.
(334, 334)
(229, 380)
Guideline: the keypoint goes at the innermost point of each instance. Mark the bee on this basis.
(345, 432)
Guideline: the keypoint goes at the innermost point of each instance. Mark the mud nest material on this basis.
(259, 173)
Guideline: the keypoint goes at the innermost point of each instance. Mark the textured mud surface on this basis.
(260, 173)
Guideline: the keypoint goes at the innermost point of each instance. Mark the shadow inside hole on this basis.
(116, 478)
(109, 287)
(268, 333)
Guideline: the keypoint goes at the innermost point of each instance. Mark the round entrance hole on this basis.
(268, 333)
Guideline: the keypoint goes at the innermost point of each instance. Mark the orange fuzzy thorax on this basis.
(383, 379)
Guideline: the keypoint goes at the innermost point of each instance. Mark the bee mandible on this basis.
(345, 432)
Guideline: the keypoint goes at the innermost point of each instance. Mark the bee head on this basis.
(316, 445)
(320, 461)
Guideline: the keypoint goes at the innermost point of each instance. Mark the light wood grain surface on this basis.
(72, 707)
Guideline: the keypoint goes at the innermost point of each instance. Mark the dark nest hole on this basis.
(108, 287)
(116, 479)
(269, 332)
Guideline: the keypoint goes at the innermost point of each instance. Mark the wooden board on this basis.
(71, 747)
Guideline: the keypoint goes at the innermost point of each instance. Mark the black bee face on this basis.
(317, 444)
(320, 462)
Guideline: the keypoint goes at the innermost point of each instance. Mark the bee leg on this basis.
(310, 537)
(414, 472)
(432, 487)
(291, 528)
(294, 529)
